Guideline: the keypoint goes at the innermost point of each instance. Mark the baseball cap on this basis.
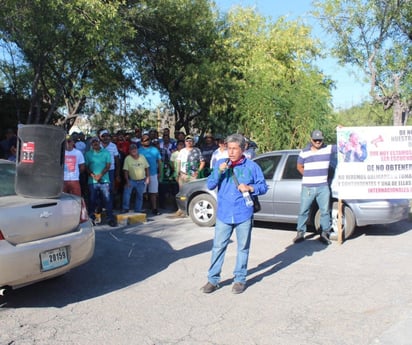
(132, 147)
(92, 140)
(188, 137)
(317, 135)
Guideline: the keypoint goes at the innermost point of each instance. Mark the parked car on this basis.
(282, 201)
(40, 238)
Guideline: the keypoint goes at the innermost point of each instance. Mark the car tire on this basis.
(348, 221)
(202, 210)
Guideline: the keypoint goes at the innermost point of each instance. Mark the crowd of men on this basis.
(125, 172)
(140, 171)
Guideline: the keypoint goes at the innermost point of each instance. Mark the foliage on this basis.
(67, 54)
(375, 36)
(282, 96)
(364, 114)
(176, 53)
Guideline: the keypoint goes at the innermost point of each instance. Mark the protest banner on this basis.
(374, 163)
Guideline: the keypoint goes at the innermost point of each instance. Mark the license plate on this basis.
(54, 258)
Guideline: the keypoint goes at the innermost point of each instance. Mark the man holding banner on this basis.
(313, 163)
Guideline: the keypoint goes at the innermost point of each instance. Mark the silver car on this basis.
(282, 201)
(40, 238)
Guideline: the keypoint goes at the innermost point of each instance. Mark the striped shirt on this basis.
(316, 165)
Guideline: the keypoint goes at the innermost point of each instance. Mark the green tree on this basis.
(177, 52)
(69, 54)
(281, 94)
(375, 36)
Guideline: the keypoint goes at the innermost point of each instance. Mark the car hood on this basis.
(28, 219)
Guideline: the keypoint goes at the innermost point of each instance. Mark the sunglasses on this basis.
(145, 140)
(317, 140)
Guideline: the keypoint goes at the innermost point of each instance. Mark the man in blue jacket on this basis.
(232, 211)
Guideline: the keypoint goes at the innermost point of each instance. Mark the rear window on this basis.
(268, 165)
(7, 176)
(290, 172)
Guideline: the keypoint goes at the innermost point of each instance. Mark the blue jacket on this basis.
(231, 207)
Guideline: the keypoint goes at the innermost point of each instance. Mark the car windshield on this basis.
(7, 176)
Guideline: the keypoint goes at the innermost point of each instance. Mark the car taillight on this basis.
(1, 236)
(84, 216)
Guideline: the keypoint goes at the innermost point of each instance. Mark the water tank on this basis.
(40, 161)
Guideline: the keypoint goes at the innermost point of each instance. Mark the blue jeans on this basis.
(223, 232)
(102, 189)
(137, 185)
(322, 196)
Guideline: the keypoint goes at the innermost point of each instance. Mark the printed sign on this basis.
(27, 152)
(374, 163)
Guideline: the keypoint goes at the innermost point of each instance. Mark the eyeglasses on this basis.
(317, 140)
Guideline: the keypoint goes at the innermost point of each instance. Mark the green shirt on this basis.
(96, 162)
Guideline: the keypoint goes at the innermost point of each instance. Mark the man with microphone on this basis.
(236, 178)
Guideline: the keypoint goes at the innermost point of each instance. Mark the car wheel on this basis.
(348, 220)
(202, 210)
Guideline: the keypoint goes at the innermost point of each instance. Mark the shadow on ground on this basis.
(122, 258)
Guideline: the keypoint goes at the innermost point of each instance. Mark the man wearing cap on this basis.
(313, 164)
(152, 156)
(190, 163)
(114, 172)
(73, 167)
(98, 162)
(136, 176)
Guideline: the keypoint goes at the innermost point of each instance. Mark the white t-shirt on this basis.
(112, 148)
(72, 159)
(217, 154)
(190, 160)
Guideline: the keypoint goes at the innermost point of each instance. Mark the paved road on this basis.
(143, 287)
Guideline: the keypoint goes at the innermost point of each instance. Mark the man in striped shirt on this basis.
(313, 163)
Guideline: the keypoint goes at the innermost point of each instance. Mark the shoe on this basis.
(112, 223)
(333, 236)
(155, 212)
(124, 211)
(324, 238)
(238, 288)
(300, 237)
(209, 288)
(179, 213)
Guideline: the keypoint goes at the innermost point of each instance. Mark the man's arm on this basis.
(300, 168)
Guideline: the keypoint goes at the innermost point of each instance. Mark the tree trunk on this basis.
(397, 112)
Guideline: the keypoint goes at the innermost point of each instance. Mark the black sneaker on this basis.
(300, 237)
(112, 223)
(124, 211)
(324, 238)
(155, 212)
(209, 288)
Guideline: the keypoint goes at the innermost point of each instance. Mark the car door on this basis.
(269, 165)
(287, 188)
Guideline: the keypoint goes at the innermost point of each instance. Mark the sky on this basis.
(349, 91)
